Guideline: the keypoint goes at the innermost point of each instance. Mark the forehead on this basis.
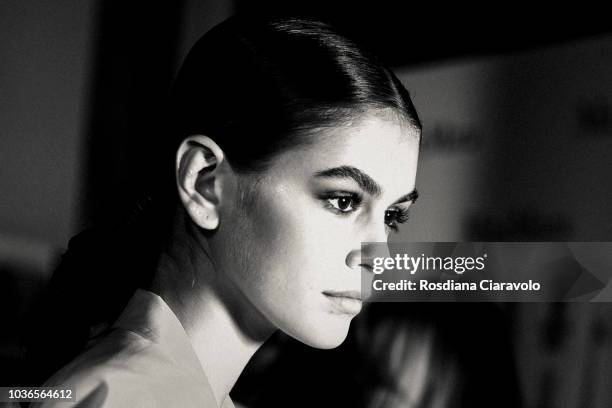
(370, 139)
(384, 148)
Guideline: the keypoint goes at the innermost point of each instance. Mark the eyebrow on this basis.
(412, 196)
(365, 182)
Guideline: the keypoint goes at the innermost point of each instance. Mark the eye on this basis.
(343, 203)
(396, 216)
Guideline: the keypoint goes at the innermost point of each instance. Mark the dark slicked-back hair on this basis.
(261, 85)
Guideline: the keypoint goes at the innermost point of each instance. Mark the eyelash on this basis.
(401, 214)
(356, 201)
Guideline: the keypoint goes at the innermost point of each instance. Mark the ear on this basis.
(202, 176)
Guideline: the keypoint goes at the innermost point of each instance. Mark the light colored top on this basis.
(147, 360)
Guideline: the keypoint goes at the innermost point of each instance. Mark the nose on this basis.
(363, 256)
(362, 261)
(356, 261)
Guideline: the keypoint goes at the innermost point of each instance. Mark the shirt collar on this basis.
(150, 316)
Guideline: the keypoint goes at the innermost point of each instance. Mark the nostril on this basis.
(367, 266)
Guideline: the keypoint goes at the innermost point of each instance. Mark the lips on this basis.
(351, 294)
(347, 302)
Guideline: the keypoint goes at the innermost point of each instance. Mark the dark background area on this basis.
(405, 33)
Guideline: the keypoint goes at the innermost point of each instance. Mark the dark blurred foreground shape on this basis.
(396, 355)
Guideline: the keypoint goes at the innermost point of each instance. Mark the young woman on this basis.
(290, 147)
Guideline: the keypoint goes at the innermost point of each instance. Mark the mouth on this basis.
(347, 302)
(351, 294)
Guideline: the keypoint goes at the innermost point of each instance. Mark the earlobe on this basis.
(200, 179)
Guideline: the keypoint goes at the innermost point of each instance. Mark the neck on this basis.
(224, 328)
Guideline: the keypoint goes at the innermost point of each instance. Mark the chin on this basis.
(326, 335)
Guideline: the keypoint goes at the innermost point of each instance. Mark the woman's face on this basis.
(294, 254)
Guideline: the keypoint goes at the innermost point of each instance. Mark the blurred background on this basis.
(517, 111)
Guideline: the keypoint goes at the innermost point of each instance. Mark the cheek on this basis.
(310, 239)
(285, 253)
(297, 250)
(297, 245)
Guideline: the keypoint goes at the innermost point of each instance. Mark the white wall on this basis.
(533, 152)
(453, 101)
